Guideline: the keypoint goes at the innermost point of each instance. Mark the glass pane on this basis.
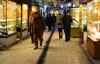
(18, 27)
(11, 17)
(3, 31)
(93, 20)
(24, 16)
(75, 15)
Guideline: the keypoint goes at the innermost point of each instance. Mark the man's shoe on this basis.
(35, 48)
(66, 40)
(40, 44)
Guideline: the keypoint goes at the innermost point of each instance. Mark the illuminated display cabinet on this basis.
(7, 22)
(22, 18)
(83, 23)
(74, 12)
(93, 27)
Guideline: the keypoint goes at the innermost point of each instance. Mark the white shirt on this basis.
(32, 19)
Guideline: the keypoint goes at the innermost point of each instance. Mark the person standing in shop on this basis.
(67, 20)
(38, 28)
(30, 26)
(53, 20)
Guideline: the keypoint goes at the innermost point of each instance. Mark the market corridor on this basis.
(59, 52)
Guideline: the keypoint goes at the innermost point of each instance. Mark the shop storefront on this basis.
(83, 23)
(8, 19)
(13, 21)
(22, 20)
(93, 27)
(74, 12)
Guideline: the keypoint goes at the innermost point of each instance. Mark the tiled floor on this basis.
(61, 52)
(22, 52)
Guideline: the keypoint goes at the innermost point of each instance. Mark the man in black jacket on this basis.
(49, 22)
(67, 20)
(53, 20)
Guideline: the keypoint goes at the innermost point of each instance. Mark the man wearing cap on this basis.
(38, 28)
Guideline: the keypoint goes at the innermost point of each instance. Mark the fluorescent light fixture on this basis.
(73, 5)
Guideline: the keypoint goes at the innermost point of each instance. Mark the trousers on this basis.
(31, 34)
(60, 32)
(67, 34)
(36, 37)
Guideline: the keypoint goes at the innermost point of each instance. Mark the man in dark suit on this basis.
(53, 20)
(49, 22)
(67, 20)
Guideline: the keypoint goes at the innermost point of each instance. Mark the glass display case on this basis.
(83, 17)
(74, 12)
(83, 23)
(93, 18)
(24, 16)
(93, 27)
(7, 22)
(7, 18)
(18, 26)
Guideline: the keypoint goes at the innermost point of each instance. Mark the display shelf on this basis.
(93, 24)
(7, 17)
(75, 32)
(93, 27)
(7, 22)
(83, 17)
(93, 47)
(24, 16)
(74, 12)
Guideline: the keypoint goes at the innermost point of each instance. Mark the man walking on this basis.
(38, 28)
(67, 20)
(30, 26)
